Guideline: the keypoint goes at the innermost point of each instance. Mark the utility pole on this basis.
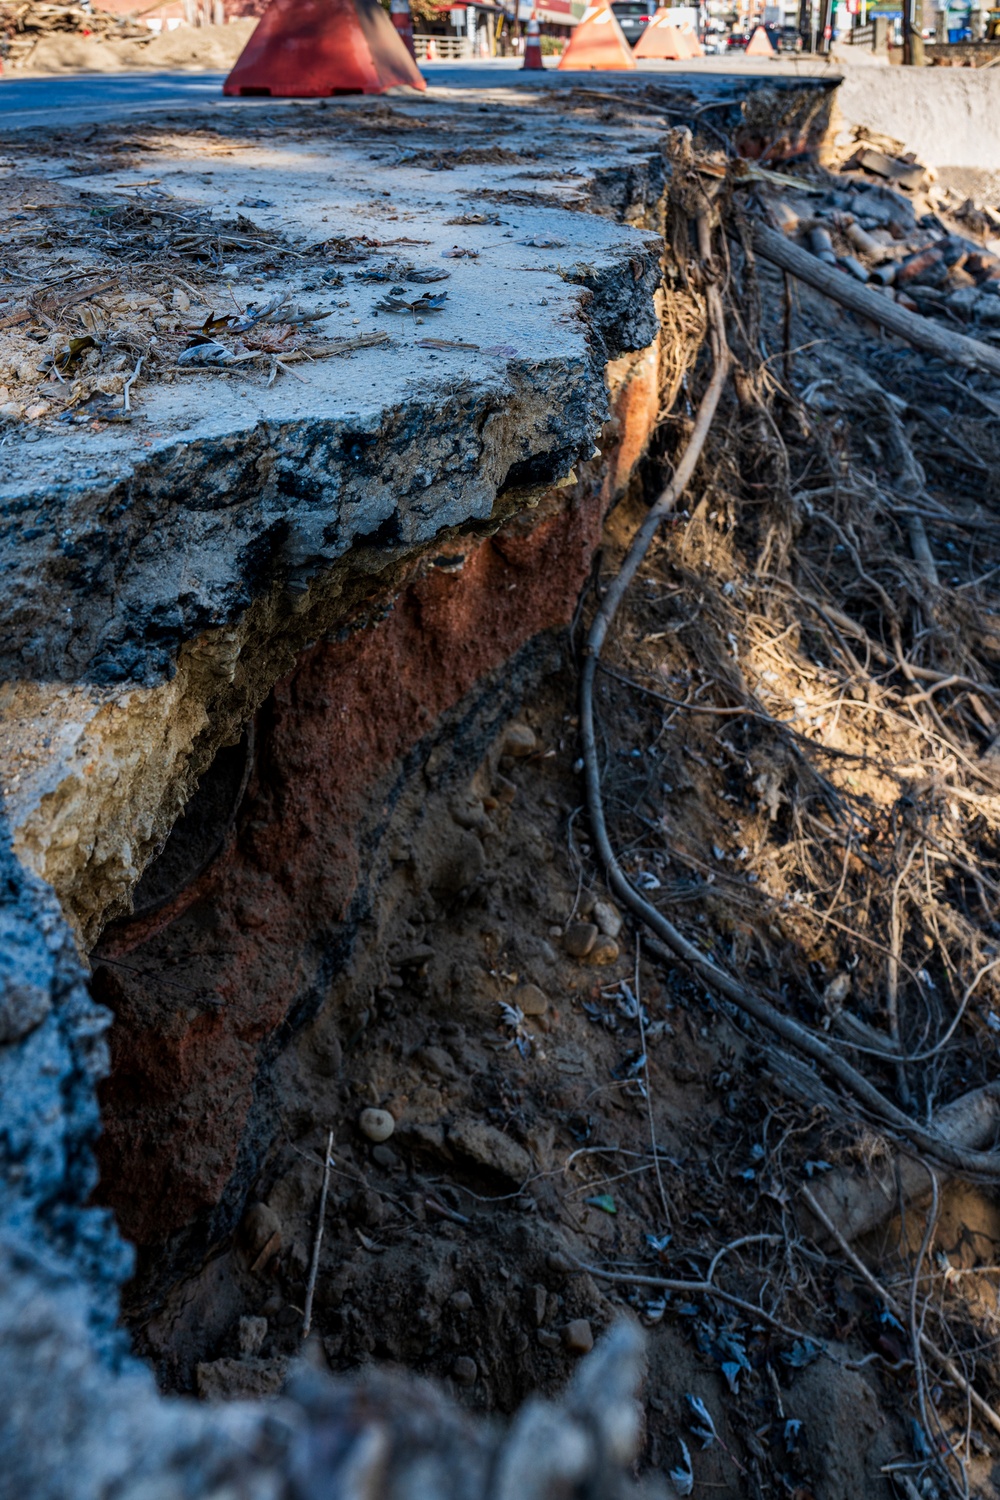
(913, 38)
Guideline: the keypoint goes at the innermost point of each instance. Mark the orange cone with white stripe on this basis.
(759, 44)
(662, 39)
(399, 11)
(597, 43)
(533, 46)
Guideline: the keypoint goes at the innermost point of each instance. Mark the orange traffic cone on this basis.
(759, 44)
(399, 12)
(661, 39)
(310, 49)
(597, 42)
(533, 46)
(689, 39)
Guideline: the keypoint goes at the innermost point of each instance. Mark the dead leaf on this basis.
(424, 304)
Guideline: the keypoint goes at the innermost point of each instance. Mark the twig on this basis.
(649, 1096)
(697, 1289)
(130, 382)
(916, 1328)
(317, 1242)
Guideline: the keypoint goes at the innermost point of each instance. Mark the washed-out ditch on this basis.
(396, 1083)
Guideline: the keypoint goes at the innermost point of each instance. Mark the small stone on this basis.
(519, 741)
(491, 1149)
(608, 918)
(260, 1225)
(530, 1000)
(376, 1124)
(579, 938)
(456, 864)
(604, 951)
(250, 1336)
(368, 1207)
(384, 1156)
(540, 1298)
(547, 1338)
(558, 1261)
(438, 1061)
(241, 1379)
(578, 1336)
(461, 1301)
(465, 1370)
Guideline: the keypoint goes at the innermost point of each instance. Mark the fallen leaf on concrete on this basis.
(475, 219)
(207, 352)
(423, 304)
(543, 242)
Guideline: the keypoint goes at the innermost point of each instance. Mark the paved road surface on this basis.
(77, 98)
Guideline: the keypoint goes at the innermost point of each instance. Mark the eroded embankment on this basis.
(366, 568)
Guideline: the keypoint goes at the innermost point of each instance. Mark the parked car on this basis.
(782, 38)
(633, 17)
(736, 41)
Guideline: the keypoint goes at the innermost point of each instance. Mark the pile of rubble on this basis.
(891, 227)
(23, 25)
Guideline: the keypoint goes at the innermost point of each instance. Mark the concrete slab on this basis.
(144, 565)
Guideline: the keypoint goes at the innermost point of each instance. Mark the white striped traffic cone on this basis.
(403, 22)
(533, 46)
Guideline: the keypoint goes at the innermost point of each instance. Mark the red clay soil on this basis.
(201, 987)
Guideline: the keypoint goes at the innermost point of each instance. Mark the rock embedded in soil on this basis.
(260, 1226)
(608, 918)
(490, 1148)
(604, 951)
(250, 1336)
(578, 1336)
(520, 741)
(530, 1000)
(377, 1124)
(465, 1370)
(579, 938)
(240, 1379)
